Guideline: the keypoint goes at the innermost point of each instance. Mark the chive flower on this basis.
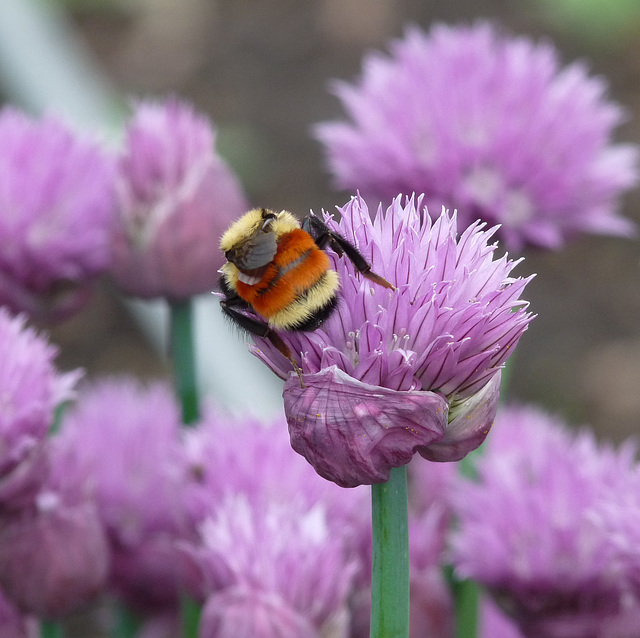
(54, 555)
(532, 527)
(31, 388)
(175, 198)
(56, 215)
(276, 552)
(417, 369)
(488, 124)
(122, 441)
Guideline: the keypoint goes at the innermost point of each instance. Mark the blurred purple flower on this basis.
(431, 609)
(492, 622)
(430, 487)
(278, 548)
(122, 443)
(282, 570)
(56, 215)
(228, 455)
(13, 624)
(30, 390)
(489, 125)
(417, 369)
(530, 528)
(620, 515)
(54, 556)
(176, 197)
(53, 550)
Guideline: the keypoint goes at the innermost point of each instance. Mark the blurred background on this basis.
(261, 70)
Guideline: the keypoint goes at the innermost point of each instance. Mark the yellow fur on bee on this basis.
(242, 229)
(313, 300)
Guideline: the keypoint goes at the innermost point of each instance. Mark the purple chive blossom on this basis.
(54, 555)
(493, 623)
(56, 215)
(277, 552)
(176, 197)
(122, 441)
(232, 455)
(620, 514)
(30, 390)
(278, 567)
(13, 624)
(531, 530)
(416, 369)
(490, 125)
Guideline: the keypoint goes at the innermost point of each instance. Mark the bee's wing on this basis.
(259, 250)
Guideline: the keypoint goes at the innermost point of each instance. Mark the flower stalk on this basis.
(185, 381)
(183, 355)
(466, 596)
(390, 570)
(49, 629)
(127, 622)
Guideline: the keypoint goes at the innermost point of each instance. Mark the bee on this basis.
(278, 268)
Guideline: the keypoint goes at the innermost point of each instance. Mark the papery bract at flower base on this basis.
(471, 422)
(490, 125)
(176, 197)
(354, 433)
(56, 216)
(416, 369)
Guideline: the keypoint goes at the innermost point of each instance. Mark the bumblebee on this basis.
(278, 268)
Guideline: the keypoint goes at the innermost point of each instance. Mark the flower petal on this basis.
(470, 426)
(354, 433)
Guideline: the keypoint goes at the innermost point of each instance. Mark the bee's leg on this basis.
(324, 236)
(230, 306)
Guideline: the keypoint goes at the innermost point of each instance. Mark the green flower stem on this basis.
(466, 597)
(50, 629)
(183, 355)
(184, 374)
(127, 623)
(390, 569)
(190, 616)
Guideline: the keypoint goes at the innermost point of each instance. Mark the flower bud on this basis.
(53, 558)
(57, 203)
(176, 197)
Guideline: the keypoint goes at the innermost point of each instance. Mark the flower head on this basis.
(122, 443)
(620, 515)
(30, 390)
(531, 528)
(277, 547)
(489, 125)
(416, 369)
(280, 564)
(56, 215)
(176, 196)
(12, 622)
(54, 556)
